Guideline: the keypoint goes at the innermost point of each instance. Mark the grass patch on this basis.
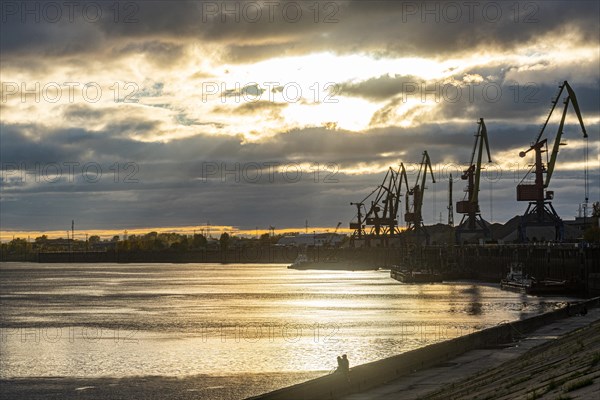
(579, 384)
(595, 359)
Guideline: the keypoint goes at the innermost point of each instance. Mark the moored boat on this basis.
(517, 280)
(406, 276)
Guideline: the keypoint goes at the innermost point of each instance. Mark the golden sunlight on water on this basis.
(110, 320)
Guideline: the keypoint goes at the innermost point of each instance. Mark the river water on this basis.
(226, 328)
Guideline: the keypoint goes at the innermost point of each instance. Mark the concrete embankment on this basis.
(367, 376)
(546, 365)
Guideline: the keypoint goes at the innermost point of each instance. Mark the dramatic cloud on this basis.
(269, 113)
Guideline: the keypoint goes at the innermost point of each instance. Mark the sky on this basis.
(245, 115)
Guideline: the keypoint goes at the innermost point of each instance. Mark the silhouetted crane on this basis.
(382, 215)
(471, 221)
(540, 211)
(413, 215)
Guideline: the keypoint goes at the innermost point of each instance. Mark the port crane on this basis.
(382, 216)
(540, 211)
(471, 221)
(413, 215)
(359, 229)
(331, 236)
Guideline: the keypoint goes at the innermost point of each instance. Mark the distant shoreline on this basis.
(580, 265)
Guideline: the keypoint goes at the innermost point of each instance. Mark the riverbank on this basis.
(436, 367)
(557, 361)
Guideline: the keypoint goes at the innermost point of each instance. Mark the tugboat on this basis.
(516, 280)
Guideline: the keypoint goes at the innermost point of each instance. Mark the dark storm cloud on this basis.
(491, 89)
(182, 160)
(176, 173)
(506, 101)
(84, 113)
(158, 52)
(170, 186)
(257, 52)
(20, 143)
(381, 87)
(388, 28)
(41, 38)
(514, 101)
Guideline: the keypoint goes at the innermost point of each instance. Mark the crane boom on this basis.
(540, 169)
(401, 176)
(481, 138)
(427, 162)
(557, 142)
(571, 95)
